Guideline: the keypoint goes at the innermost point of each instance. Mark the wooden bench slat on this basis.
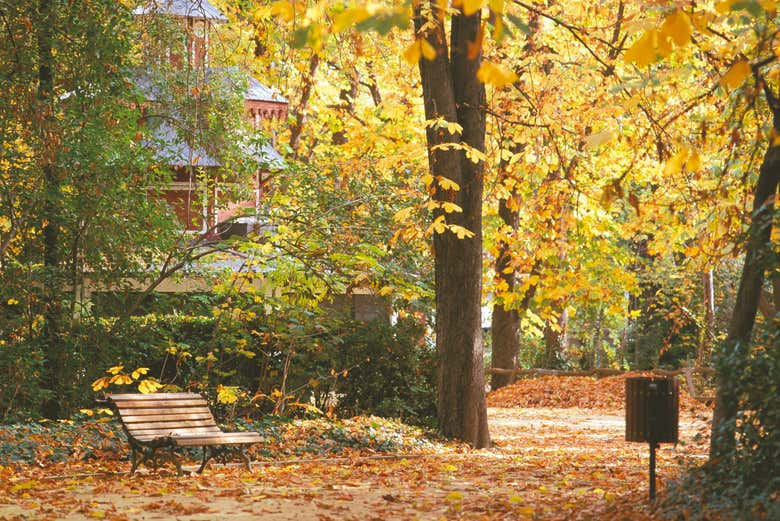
(145, 404)
(151, 411)
(177, 424)
(132, 418)
(153, 396)
(164, 430)
(220, 439)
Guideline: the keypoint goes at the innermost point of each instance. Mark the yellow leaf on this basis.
(427, 179)
(138, 372)
(87, 412)
(227, 394)
(774, 138)
(438, 225)
(116, 369)
(149, 386)
(283, 10)
(495, 75)
(674, 165)
(677, 26)
(451, 207)
(454, 496)
(515, 499)
(413, 53)
(12, 302)
(351, 16)
(525, 511)
(770, 6)
(25, 485)
(736, 75)
(471, 6)
(386, 290)
(447, 183)
(725, 7)
(461, 232)
(449, 467)
(694, 162)
(597, 139)
(642, 52)
(403, 214)
(497, 6)
(100, 383)
(120, 379)
(428, 52)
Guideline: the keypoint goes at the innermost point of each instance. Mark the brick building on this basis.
(198, 189)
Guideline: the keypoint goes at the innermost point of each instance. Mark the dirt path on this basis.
(546, 464)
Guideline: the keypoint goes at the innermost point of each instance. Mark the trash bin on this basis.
(652, 409)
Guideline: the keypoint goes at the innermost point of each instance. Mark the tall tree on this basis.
(757, 252)
(75, 183)
(453, 95)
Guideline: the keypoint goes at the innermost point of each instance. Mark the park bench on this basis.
(158, 424)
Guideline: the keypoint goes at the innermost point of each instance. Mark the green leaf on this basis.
(301, 37)
(517, 22)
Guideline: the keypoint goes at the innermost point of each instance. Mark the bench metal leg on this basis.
(223, 452)
(207, 455)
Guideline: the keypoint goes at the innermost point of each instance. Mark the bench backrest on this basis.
(148, 416)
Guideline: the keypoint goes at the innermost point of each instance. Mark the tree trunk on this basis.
(748, 295)
(708, 333)
(554, 338)
(300, 110)
(599, 356)
(505, 325)
(452, 91)
(55, 354)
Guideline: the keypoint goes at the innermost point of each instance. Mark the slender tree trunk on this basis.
(748, 295)
(300, 110)
(505, 325)
(54, 353)
(599, 356)
(554, 338)
(708, 333)
(451, 91)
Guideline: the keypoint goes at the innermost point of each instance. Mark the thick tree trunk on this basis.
(451, 91)
(55, 356)
(748, 295)
(505, 325)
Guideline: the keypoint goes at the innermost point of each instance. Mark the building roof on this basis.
(256, 91)
(169, 148)
(197, 9)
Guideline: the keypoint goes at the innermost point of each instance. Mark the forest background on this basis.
(625, 206)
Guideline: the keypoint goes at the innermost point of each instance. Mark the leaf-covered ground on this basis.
(547, 462)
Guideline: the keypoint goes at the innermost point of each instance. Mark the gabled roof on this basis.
(256, 91)
(197, 9)
(169, 148)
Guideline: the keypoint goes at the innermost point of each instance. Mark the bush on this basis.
(390, 372)
(745, 483)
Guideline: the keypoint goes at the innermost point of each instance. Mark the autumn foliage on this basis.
(603, 394)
